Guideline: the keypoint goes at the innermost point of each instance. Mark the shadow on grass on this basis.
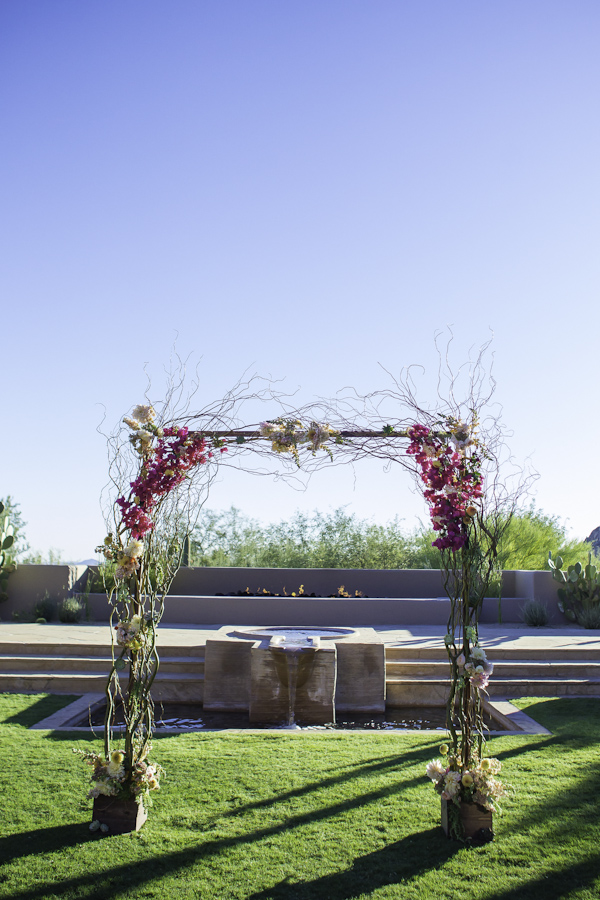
(556, 885)
(574, 723)
(359, 770)
(99, 885)
(42, 708)
(396, 863)
(575, 718)
(43, 840)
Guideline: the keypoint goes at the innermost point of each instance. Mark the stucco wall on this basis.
(31, 583)
(396, 597)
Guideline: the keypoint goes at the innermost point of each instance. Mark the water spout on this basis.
(294, 663)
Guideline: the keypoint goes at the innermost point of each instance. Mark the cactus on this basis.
(7, 539)
(579, 589)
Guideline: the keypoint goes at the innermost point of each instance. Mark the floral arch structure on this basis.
(161, 468)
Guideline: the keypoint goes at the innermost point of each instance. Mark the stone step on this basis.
(16, 648)
(91, 664)
(398, 653)
(181, 686)
(434, 691)
(512, 668)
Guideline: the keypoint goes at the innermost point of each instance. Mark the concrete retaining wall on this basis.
(396, 597)
(29, 584)
(208, 581)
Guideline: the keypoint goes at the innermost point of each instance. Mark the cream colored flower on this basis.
(134, 549)
(461, 436)
(451, 785)
(435, 770)
(116, 771)
(103, 787)
(144, 414)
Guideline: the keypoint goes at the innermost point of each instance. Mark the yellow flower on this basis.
(467, 780)
(117, 757)
(444, 749)
(484, 765)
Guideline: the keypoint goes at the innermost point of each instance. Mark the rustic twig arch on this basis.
(164, 460)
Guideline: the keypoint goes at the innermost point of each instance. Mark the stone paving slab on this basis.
(508, 636)
(417, 636)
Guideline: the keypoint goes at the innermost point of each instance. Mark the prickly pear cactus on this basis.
(579, 588)
(6, 541)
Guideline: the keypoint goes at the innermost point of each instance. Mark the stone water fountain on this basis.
(284, 674)
(294, 660)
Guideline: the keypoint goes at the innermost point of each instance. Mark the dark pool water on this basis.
(185, 716)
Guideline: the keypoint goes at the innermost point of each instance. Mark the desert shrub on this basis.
(70, 610)
(336, 540)
(340, 540)
(530, 535)
(535, 613)
(590, 617)
(36, 558)
(45, 608)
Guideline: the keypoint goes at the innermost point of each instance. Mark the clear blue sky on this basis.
(306, 188)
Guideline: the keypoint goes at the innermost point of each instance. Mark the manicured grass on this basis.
(287, 817)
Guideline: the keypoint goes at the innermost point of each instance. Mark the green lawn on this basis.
(289, 817)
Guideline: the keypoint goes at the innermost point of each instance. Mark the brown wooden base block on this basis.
(477, 821)
(121, 816)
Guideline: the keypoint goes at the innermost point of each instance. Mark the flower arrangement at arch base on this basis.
(469, 794)
(121, 793)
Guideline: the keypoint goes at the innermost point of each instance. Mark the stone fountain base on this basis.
(347, 673)
(314, 701)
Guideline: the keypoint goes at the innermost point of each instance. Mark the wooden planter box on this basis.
(477, 821)
(121, 816)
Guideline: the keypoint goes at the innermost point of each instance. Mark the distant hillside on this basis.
(594, 540)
